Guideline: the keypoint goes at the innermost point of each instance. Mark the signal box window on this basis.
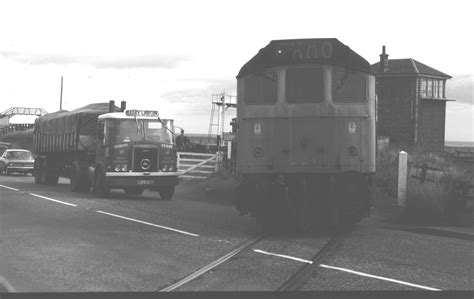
(348, 87)
(305, 85)
(261, 89)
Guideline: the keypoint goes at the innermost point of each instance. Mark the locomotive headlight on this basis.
(258, 152)
(352, 151)
(124, 167)
(117, 167)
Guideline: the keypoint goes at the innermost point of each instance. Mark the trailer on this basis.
(102, 147)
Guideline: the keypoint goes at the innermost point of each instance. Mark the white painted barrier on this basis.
(197, 165)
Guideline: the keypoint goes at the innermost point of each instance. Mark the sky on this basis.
(172, 56)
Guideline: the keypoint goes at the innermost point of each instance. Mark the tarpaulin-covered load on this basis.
(64, 131)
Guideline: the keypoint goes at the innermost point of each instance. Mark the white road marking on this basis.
(58, 201)
(283, 256)
(380, 277)
(6, 187)
(7, 285)
(349, 271)
(148, 223)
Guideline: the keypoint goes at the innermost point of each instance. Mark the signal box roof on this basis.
(329, 51)
(408, 66)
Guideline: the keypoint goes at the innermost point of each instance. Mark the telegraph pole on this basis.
(61, 95)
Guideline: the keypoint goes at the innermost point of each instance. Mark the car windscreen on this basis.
(19, 155)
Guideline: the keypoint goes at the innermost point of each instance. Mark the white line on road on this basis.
(6, 187)
(148, 223)
(7, 285)
(349, 271)
(283, 256)
(380, 277)
(58, 201)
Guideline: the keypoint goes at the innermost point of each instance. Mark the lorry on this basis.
(103, 147)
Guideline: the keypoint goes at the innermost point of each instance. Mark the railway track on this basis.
(294, 282)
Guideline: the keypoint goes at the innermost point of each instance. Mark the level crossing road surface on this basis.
(54, 240)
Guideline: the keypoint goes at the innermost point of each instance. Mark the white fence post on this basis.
(218, 161)
(178, 154)
(229, 149)
(402, 179)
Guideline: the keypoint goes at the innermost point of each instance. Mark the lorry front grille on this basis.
(145, 159)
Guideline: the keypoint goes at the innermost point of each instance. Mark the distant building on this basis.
(411, 103)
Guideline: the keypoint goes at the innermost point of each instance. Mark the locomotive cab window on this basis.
(261, 89)
(304, 85)
(348, 87)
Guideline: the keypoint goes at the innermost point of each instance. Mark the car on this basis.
(17, 160)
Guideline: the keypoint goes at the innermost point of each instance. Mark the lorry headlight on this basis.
(120, 167)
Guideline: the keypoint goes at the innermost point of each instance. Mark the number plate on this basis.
(145, 182)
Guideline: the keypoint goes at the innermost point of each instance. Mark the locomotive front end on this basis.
(306, 133)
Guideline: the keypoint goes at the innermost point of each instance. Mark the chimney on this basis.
(123, 106)
(383, 67)
(112, 106)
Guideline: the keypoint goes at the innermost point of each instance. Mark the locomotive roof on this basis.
(305, 51)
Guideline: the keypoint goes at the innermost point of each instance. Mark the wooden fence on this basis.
(422, 176)
(423, 172)
(198, 165)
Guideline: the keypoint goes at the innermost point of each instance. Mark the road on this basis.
(56, 240)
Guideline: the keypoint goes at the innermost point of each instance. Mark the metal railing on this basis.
(15, 128)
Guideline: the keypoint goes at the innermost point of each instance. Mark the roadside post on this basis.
(229, 149)
(402, 179)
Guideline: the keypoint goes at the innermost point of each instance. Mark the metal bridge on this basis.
(6, 127)
(22, 111)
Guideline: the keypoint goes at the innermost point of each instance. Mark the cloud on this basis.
(101, 62)
(203, 91)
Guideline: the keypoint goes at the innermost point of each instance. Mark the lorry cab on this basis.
(135, 150)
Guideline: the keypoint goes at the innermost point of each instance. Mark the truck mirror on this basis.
(100, 131)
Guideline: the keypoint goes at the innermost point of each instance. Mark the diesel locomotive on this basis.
(305, 134)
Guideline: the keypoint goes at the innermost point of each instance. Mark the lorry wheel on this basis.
(37, 172)
(101, 189)
(166, 193)
(48, 175)
(133, 190)
(79, 181)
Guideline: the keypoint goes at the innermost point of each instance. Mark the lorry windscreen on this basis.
(155, 131)
(131, 130)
